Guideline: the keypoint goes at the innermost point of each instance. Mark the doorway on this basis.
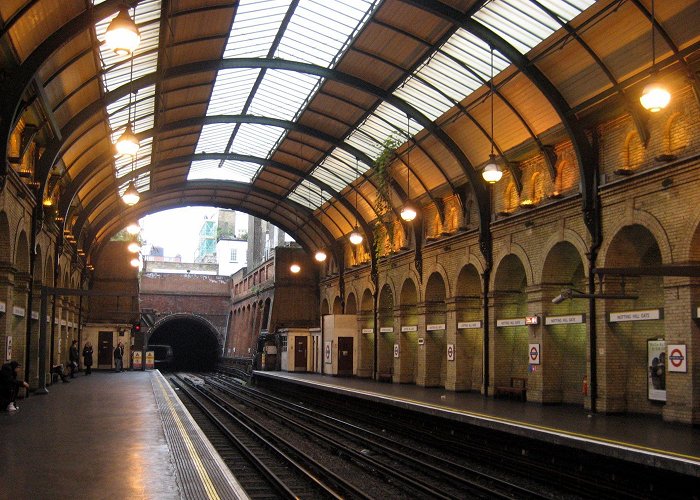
(345, 345)
(300, 348)
(105, 342)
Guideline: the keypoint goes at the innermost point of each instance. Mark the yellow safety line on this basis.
(516, 422)
(199, 466)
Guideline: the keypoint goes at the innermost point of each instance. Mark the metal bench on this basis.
(517, 387)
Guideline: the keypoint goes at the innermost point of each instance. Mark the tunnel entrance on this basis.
(194, 343)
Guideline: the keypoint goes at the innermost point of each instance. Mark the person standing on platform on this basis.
(87, 357)
(9, 386)
(73, 358)
(119, 357)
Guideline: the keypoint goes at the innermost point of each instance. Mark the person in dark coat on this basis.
(73, 358)
(87, 357)
(118, 358)
(9, 386)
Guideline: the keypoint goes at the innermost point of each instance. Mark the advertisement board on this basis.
(656, 369)
(150, 360)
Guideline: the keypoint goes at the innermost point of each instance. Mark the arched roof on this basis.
(279, 108)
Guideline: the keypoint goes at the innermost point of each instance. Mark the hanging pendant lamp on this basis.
(655, 95)
(128, 143)
(131, 195)
(122, 35)
(356, 237)
(492, 172)
(408, 212)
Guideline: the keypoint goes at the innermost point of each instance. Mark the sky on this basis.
(177, 230)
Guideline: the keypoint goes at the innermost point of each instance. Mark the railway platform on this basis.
(636, 438)
(109, 435)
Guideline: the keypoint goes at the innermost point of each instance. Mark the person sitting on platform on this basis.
(9, 386)
(58, 371)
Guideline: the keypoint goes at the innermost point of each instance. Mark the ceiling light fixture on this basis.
(356, 237)
(295, 268)
(655, 95)
(122, 35)
(133, 229)
(128, 143)
(492, 172)
(134, 247)
(408, 212)
(131, 195)
(135, 262)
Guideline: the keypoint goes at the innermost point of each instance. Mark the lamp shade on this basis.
(134, 247)
(122, 35)
(408, 212)
(133, 229)
(320, 256)
(356, 237)
(295, 268)
(128, 143)
(131, 195)
(492, 172)
(655, 97)
(135, 262)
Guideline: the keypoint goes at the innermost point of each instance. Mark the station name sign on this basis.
(646, 315)
(511, 322)
(435, 327)
(3, 307)
(468, 325)
(18, 311)
(367, 330)
(386, 329)
(410, 328)
(570, 319)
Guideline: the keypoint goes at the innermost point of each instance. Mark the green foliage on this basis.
(382, 205)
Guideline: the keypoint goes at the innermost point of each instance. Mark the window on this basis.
(284, 343)
(234, 255)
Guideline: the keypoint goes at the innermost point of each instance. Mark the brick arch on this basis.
(5, 244)
(337, 305)
(649, 222)
(435, 286)
(633, 151)
(21, 257)
(519, 252)
(38, 266)
(48, 270)
(676, 136)
(690, 247)
(510, 260)
(468, 276)
(367, 303)
(569, 236)
(351, 304)
(562, 262)
(510, 198)
(437, 268)
(405, 290)
(390, 283)
(386, 293)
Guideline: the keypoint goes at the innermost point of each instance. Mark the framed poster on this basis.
(656, 369)
(533, 354)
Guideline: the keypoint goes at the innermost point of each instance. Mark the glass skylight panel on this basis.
(231, 91)
(294, 87)
(319, 30)
(338, 169)
(256, 140)
(522, 23)
(228, 170)
(214, 137)
(307, 194)
(255, 27)
(143, 183)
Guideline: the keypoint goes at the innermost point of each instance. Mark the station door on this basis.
(345, 345)
(300, 349)
(105, 346)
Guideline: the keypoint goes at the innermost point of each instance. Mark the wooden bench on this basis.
(518, 387)
(386, 376)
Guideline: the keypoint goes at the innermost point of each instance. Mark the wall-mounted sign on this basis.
(35, 315)
(697, 312)
(365, 331)
(636, 315)
(412, 328)
(386, 329)
(136, 360)
(48, 318)
(435, 327)
(677, 358)
(656, 369)
(328, 352)
(63, 322)
(150, 360)
(570, 319)
(60, 345)
(396, 350)
(3, 307)
(511, 322)
(533, 354)
(468, 325)
(450, 352)
(532, 320)
(18, 311)
(8, 348)
(421, 341)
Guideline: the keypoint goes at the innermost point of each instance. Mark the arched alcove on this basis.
(469, 339)
(435, 345)
(351, 304)
(408, 335)
(337, 305)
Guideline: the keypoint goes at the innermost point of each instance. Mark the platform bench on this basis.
(518, 387)
(385, 376)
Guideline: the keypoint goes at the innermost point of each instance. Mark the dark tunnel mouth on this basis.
(194, 345)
